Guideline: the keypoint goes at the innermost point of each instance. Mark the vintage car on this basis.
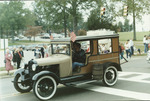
(45, 74)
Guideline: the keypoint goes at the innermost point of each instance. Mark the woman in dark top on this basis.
(14, 57)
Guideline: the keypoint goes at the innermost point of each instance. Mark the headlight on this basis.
(34, 67)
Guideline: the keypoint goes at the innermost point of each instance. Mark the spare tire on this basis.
(97, 71)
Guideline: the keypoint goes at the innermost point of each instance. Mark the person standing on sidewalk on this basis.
(19, 57)
(127, 48)
(144, 42)
(121, 50)
(37, 53)
(42, 51)
(131, 46)
(147, 42)
(14, 57)
(8, 58)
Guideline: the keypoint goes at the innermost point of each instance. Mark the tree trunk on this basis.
(75, 17)
(12, 35)
(65, 27)
(75, 25)
(1, 33)
(34, 38)
(134, 27)
(7, 34)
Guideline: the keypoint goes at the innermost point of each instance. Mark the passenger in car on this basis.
(78, 57)
(103, 48)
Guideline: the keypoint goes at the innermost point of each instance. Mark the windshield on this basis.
(60, 49)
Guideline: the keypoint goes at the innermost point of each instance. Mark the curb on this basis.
(3, 74)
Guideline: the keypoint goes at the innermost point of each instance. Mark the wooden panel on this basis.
(85, 69)
(114, 57)
(95, 48)
(115, 44)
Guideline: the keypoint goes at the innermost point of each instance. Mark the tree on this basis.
(14, 17)
(127, 25)
(57, 12)
(32, 31)
(94, 22)
(136, 8)
(120, 25)
(81, 32)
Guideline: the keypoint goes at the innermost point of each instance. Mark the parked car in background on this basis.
(30, 47)
(11, 48)
(56, 35)
(16, 38)
(23, 46)
(45, 36)
(21, 36)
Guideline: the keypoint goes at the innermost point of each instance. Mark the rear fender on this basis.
(118, 67)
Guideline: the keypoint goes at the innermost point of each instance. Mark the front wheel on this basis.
(45, 87)
(110, 76)
(22, 86)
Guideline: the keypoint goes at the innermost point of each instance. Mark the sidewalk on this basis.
(3, 74)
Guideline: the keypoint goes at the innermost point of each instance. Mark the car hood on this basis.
(53, 59)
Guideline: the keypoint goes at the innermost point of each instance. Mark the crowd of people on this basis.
(42, 52)
(146, 42)
(130, 48)
(16, 57)
(13, 59)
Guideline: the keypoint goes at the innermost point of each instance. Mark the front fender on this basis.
(19, 71)
(42, 73)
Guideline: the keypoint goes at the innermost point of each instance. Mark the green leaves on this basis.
(14, 16)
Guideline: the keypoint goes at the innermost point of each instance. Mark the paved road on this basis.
(133, 84)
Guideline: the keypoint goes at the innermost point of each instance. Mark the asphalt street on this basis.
(133, 84)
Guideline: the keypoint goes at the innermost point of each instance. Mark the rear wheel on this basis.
(110, 76)
(45, 87)
(21, 86)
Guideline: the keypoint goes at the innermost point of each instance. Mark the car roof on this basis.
(81, 38)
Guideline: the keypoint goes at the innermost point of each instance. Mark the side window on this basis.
(104, 46)
(85, 45)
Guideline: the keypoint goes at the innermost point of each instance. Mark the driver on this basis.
(78, 57)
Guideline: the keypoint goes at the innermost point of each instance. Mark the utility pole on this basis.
(4, 50)
(134, 27)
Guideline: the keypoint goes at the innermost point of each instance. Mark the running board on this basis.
(77, 83)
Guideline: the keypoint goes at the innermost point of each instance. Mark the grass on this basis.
(123, 36)
(25, 42)
(2, 68)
